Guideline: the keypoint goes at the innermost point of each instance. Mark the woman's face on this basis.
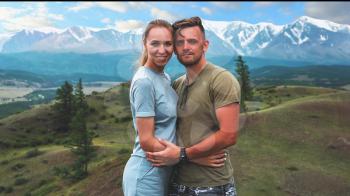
(159, 45)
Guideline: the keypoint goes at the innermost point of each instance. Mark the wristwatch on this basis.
(183, 155)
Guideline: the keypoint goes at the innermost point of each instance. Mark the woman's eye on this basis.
(154, 43)
(168, 44)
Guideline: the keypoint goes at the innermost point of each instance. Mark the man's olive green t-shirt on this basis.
(213, 88)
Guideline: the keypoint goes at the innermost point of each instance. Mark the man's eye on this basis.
(192, 41)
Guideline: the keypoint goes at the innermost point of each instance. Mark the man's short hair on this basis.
(188, 22)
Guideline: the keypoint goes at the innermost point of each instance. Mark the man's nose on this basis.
(186, 45)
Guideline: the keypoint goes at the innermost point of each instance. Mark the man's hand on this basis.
(169, 156)
(216, 160)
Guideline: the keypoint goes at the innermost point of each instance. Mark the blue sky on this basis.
(15, 16)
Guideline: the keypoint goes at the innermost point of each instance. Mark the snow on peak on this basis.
(218, 27)
(325, 24)
(80, 33)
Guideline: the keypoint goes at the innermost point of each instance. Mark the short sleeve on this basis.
(225, 89)
(143, 98)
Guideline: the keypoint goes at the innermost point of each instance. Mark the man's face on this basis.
(190, 46)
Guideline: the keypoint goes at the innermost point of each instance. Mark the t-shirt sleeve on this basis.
(144, 99)
(225, 89)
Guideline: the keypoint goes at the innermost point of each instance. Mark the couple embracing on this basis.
(183, 129)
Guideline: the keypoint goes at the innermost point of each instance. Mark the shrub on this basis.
(8, 189)
(292, 168)
(4, 162)
(35, 143)
(42, 182)
(17, 167)
(103, 117)
(20, 181)
(45, 161)
(33, 153)
(2, 189)
(92, 110)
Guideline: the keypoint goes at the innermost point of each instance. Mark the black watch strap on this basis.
(183, 155)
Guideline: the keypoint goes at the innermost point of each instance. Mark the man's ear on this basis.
(205, 45)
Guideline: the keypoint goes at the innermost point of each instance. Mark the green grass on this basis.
(281, 146)
(281, 150)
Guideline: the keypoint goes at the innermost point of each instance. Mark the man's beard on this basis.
(191, 63)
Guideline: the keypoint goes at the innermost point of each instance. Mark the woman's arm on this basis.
(148, 142)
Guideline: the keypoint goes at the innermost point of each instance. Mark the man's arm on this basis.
(228, 117)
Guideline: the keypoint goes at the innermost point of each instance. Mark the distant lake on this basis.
(10, 94)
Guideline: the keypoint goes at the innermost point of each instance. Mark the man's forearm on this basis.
(218, 141)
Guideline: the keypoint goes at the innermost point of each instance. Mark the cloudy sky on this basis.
(15, 16)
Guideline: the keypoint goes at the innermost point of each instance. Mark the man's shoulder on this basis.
(180, 80)
(215, 71)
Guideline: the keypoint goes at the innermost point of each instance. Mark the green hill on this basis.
(299, 146)
(312, 75)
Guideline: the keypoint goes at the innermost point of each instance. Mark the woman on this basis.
(153, 106)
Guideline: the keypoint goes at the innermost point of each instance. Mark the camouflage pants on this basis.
(181, 190)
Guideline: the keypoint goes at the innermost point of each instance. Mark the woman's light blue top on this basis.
(151, 94)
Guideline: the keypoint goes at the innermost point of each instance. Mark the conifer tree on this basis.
(64, 106)
(81, 139)
(242, 70)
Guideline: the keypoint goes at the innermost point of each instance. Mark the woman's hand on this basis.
(215, 160)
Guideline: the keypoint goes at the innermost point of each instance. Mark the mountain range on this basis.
(305, 39)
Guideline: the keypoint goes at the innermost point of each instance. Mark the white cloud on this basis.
(333, 11)
(56, 16)
(26, 22)
(120, 7)
(8, 13)
(114, 6)
(162, 14)
(206, 10)
(138, 5)
(228, 5)
(127, 25)
(82, 6)
(106, 20)
(264, 4)
(33, 16)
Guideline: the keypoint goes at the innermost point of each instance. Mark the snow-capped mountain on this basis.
(306, 39)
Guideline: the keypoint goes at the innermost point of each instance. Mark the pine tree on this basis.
(79, 98)
(81, 139)
(242, 70)
(64, 106)
(81, 145)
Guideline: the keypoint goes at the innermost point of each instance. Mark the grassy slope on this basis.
(295, 148)
(110, 119)
(290, 149)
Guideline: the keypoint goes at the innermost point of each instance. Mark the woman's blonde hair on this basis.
(152, 24)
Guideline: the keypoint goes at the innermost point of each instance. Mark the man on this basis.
(208, 116)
